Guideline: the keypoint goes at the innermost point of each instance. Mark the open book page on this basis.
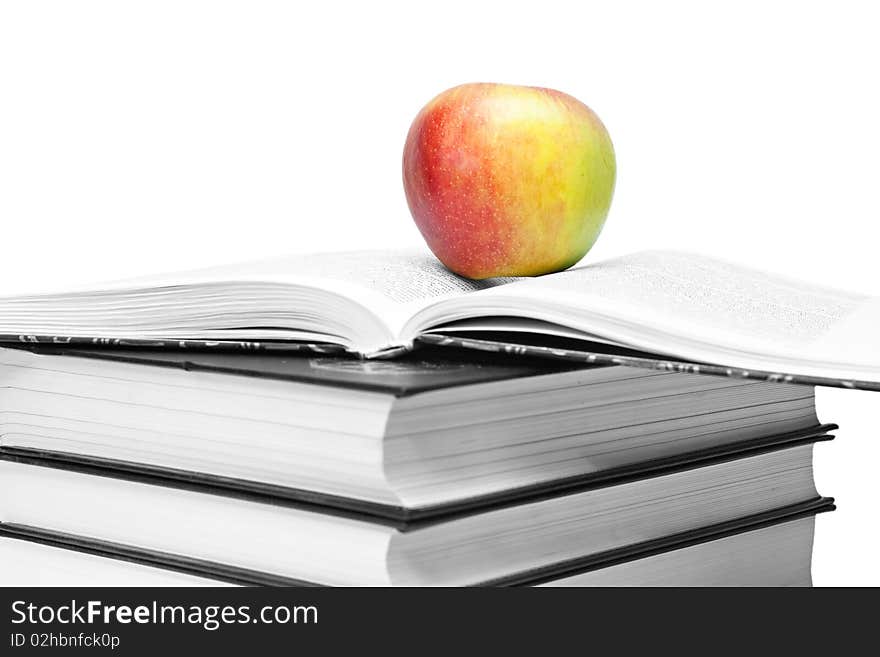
(393, 285)
(361, 299)
(697, 308)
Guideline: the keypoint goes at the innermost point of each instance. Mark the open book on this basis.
(670, 304)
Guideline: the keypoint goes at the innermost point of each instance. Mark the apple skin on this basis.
(506, 180)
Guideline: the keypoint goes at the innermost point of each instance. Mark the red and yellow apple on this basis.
(507, 180)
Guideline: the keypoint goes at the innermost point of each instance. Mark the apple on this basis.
(506, 180)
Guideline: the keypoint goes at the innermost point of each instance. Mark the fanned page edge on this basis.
(386, 287)
(600, 323)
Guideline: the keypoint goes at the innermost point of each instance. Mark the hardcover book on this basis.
(770, 549)
(267, 539)
(402, 439)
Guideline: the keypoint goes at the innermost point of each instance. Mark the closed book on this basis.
(403, 439)
(771, 549)
(551, 534)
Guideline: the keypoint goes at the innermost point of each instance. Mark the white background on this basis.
(147, 136)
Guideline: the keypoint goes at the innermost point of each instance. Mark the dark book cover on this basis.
(523, 345)
(422, 370)
(512, 345)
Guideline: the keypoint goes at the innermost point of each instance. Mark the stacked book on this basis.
(144, 440)
(439, 468)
